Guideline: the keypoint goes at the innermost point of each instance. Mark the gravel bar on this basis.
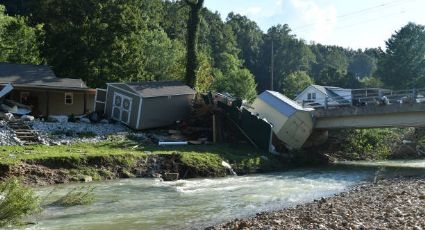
(387, 204)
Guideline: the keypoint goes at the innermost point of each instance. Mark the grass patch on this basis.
(16, 202)
(73, 154)
(89, 159)
(77, 196)
(243, 158)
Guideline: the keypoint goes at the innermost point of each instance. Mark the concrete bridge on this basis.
(298, 126)
(372, 116)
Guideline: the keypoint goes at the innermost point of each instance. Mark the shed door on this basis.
(122, 108)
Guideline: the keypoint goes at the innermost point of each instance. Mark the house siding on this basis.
(56, 101)
(320, 96)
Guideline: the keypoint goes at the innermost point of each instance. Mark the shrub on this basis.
(371, 143)
(77, 196)
(16, 202)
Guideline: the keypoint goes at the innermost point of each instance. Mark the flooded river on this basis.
(197, 203)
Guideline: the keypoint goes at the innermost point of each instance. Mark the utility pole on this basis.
(272, 67)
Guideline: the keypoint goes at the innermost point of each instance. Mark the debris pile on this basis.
(9, 106)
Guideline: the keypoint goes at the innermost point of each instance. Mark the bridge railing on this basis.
(361, 97)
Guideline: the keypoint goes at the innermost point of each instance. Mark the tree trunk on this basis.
(192, 37)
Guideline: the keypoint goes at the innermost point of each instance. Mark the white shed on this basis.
(291, 123)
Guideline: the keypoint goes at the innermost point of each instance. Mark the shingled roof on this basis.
(161, 88)
(35, 76)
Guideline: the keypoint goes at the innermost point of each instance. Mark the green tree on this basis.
(108, 41)
(332, 77)
(153, 12)
(402, 65)
(157, 60)
(295, 82)
(249, 39)
(371, 82)
(328, 58)
(235, 79)
(289, 55)
(175, 20)
(362, 65)
(205, 74)
(18, 40)
(216, 37)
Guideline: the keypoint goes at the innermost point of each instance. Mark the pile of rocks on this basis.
(56, 130)
(7, 136)
(389, 204)
(70, 132)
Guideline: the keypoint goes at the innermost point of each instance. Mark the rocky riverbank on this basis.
(387, 204)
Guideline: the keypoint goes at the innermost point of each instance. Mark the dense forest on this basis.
(136, 40)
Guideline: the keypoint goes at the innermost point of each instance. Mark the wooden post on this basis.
(326, 102)
(47, 103)
(85, 103)
(214, 129)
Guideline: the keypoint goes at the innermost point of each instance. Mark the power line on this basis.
(358, 12)
(388, 4)
(371, 20)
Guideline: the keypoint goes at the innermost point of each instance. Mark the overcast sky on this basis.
(348, 23)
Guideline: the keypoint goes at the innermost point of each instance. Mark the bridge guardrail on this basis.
(379, 97)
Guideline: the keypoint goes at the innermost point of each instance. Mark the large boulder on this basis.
(85, 120)
(170, 176)
(9, 117)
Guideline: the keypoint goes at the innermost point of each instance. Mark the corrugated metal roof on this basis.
(325, 89)
(35, 75)
(161, 88)
(281, 103)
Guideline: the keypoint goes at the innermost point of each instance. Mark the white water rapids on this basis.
(197, 203)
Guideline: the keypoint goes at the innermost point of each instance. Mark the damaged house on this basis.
(36, 88)
(144, 105)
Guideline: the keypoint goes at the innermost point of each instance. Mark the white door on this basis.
(122, 108)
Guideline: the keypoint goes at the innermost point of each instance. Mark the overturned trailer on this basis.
(292, 124)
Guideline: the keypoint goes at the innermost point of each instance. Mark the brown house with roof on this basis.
(145, 105)
(38, 87)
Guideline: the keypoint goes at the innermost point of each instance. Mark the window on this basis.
(69, 98)
(311, 96)
(24, 98)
